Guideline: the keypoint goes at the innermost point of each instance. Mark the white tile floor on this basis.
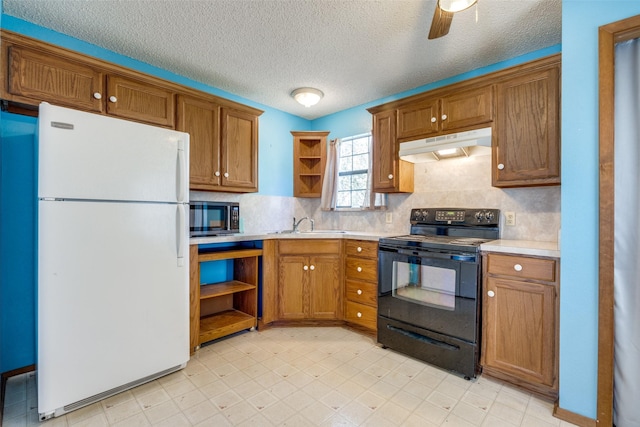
(298, 377)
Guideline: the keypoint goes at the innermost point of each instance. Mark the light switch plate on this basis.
(388, 217)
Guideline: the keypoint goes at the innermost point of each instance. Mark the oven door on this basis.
(431, 290)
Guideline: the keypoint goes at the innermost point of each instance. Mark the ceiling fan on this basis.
(443, 15)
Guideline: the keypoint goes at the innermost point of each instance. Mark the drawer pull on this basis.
(517, 267)
(359, 249)
(359, 269)
(359, 314)
(491, 294)
(359, 292)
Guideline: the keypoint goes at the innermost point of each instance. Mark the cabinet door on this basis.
(527, 131)
(325, 301)
(55, 79)
(135, 100)
(520, 328)
(419, 120)
(467, 108)
(385, 151)
(200, 118)
(239, 145)
(293, 292)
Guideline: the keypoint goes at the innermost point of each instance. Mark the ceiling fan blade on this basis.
(440, 23)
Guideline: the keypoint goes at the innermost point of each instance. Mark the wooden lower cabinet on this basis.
(361, 283)
(520, 321)
(309, 280)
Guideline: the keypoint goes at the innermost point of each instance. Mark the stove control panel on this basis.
(484, 216)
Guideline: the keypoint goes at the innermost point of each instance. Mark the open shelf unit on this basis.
(226, 307)
(309, 159)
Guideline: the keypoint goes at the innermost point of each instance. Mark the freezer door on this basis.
(88, 156)
(113, 300)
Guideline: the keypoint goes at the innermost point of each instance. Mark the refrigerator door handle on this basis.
(180, 234)
(180, 172)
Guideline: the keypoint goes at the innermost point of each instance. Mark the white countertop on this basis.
(523, 247)
(320, 234)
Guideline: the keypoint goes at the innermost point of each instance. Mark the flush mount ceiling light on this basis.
(456, 5)
(307, 96)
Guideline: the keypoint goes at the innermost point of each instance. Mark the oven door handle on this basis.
(423, 254)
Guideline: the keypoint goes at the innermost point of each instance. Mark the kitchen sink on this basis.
(308, 232)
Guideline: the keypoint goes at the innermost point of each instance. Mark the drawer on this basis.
(362, 248)
(362, 292)
(522, 267)
(361, 314)
(362, 269)
(309, 246)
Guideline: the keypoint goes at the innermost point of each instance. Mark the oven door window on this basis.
(424, 284)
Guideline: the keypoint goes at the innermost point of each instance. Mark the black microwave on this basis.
(213, 218)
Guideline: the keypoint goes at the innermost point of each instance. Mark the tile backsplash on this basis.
(463, 182)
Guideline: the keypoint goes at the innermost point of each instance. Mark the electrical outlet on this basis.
(510, 218)
(388, 217)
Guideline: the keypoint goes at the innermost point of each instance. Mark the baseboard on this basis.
(572, 417)
(3, 383)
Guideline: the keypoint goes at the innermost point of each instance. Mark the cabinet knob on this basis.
(359, 291)
(226, 174)
(500, 166)
(113, 99)
(390, 176)
(97, 95)
(217, 173)
(359, 269)
(444, 117)
(313, 267)
(433, 119)
(491, 294)
(359, 314)
(305, 268)
(359, 249)
(517, 267)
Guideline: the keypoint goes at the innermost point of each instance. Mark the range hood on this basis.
(473, 142)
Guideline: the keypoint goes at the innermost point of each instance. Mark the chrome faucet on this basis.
(296, 224)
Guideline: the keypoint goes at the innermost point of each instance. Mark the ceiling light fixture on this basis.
(456, 5)
(307, 96)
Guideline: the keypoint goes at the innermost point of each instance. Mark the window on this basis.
(352, 182)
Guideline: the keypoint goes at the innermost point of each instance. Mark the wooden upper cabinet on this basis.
(139, 101)
(36, 72)
(467, 108)
(526, 136)
(200, 118)
(37, 75)
(239, 150)
(419, 119)
(390, 174)
(447, 113)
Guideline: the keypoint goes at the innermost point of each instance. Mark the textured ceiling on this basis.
(355, 51)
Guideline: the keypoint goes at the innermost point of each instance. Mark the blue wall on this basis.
(17, 242)
(579, 274)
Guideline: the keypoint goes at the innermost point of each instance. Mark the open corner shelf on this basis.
(223, 308)
(309, 159)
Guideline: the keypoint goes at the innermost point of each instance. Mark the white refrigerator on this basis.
(113, 256)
